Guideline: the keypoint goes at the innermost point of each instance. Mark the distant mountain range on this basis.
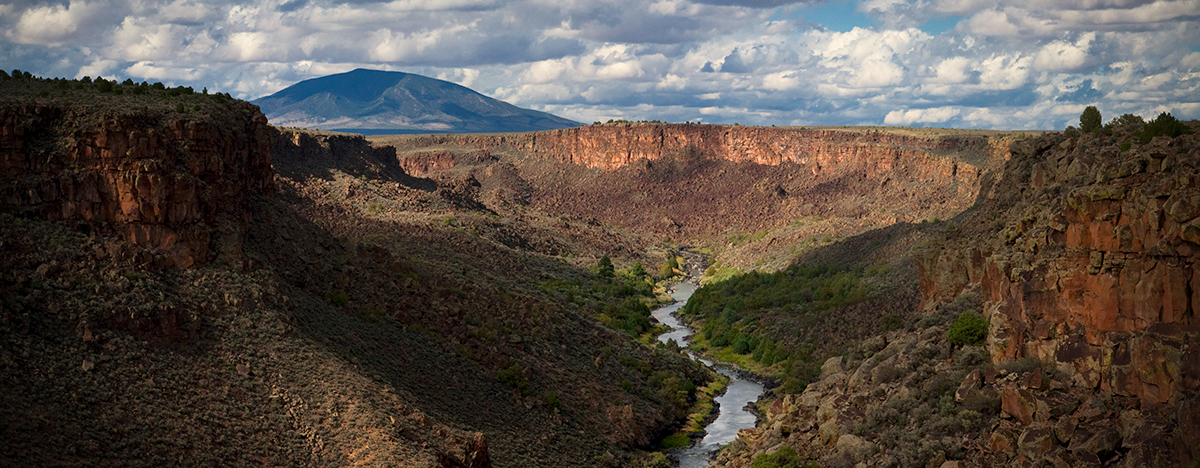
(375, 102)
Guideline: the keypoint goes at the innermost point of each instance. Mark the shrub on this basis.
(551, 398)
(675, 440)
(1090, 120)
(1127, 119)
(785, 457)
(667, 269)
(1163, 125)
(638, 271)
(339, 299)
(968, 329)
(514, 377)
(605, 267)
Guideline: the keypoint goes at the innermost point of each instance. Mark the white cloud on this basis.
(1012, 64)
(911, 116)
(990, 23)
(1064, 56)
(54, 25)
(954, 70)
(781, 81)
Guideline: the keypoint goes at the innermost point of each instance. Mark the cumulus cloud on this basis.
(56, 25)
(1006, 64)
(1064, 55)
(911, 116)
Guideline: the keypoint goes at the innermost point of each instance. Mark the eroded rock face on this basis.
(1086, 260)
(613, 146)
(174, 184)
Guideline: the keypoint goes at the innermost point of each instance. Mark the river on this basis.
(732, 415)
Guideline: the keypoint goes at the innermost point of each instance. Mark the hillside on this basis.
(1056, 326)
(382, 102)
(184, 284)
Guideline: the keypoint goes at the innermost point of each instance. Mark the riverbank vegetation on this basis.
(749, 319)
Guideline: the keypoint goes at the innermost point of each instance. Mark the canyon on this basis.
(183, 281)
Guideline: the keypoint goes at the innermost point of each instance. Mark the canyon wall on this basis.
(1091, 262)
(174, 183)
(700, 181)
(612, 146)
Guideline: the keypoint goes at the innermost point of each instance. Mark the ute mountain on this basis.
(376, 102)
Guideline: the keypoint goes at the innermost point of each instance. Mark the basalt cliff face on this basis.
(173, 183)
(1093, 264)
(711, 182)
(612, 146)
(1086, 259)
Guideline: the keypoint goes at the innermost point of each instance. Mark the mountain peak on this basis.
(383, 102)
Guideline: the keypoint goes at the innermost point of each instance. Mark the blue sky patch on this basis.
(837, 15)
(940, 25)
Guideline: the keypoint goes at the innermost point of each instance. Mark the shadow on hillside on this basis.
(301, 156)
(436, 315)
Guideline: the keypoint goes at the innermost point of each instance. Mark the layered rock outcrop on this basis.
(612, 146)
(1093, 262)
(702, 181)
(174, 183)
(1086, 258)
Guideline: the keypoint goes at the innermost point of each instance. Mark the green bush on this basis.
(514, 377)
(667, 269)
(1163, 125)
(785, 457)
(968, 329)
(551, 398)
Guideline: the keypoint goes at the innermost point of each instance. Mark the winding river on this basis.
(732, 415)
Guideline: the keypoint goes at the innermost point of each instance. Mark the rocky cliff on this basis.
(173, 183)
(1082, 259)
(612, 146)
(1093, 264)
(1085, 260)
(789, 187)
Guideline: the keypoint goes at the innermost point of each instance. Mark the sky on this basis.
(1025, 64)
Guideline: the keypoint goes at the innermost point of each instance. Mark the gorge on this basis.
(182, 281)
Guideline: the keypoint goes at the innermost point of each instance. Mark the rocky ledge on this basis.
(174, 184)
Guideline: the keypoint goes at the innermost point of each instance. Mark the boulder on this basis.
(854, 447)
(970, 382)
(1018, 404)
(1036, 440)
(1101, 441)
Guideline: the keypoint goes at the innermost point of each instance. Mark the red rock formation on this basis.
(687, 181)
(613, 146)
(174, 183)
(1087, 257)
